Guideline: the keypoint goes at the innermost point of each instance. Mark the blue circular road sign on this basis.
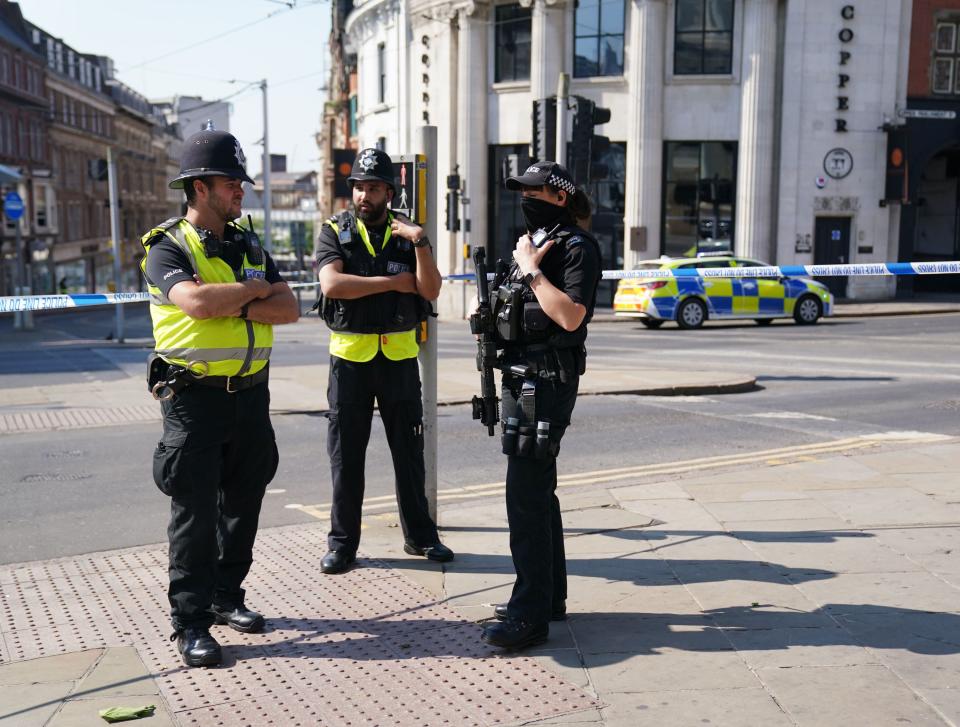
(13, 206)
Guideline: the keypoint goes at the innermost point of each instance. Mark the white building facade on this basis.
(747, 125)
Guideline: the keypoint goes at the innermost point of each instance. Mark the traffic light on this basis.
(544, 129)
(342, 167)
(897, 189)
(586, 147)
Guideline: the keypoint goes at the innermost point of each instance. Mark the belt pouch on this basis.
(156, 370)
(542, 448)
(527, 441)
(511, 435)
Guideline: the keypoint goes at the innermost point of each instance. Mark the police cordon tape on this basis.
(951, 267)
(20, 304)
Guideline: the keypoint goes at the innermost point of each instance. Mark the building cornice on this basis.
(81, 92)
(369, 17)
(443, 11)
(548, 3)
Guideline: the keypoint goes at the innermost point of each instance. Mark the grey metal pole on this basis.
(563, 85)
(115, 236)
(22, 320)
(427, 145)
(267, 243)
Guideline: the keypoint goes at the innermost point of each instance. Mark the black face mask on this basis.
(539, 213)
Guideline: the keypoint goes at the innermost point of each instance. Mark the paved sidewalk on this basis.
(815, 586)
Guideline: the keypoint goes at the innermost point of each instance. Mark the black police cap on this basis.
(372, 165)
(211, 153)
(540, 173)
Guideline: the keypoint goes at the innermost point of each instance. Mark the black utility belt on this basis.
(234, 383)
(542, 361)
(165, 380)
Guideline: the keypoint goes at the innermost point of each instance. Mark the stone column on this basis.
(648, 31)
(547, 45)
(754, 217)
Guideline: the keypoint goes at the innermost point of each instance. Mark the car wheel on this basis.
(807, 310)
(691, 313)
(651, 322)
(763, 321)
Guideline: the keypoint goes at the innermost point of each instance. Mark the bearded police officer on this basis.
(542, 310)
(215, 295)
(376, 273)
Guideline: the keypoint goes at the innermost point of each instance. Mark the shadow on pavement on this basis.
(611, 636)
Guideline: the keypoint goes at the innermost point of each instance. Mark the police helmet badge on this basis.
(238, 153)
(368, 160)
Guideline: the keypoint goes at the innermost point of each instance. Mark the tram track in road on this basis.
(630, 475)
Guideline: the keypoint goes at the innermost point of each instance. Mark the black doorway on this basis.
(832, 247)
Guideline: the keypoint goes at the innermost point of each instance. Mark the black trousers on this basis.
(352, 389)
(216, 457)
(533, 510)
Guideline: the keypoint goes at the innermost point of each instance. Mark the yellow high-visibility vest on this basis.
(362, 347)
(230, 346)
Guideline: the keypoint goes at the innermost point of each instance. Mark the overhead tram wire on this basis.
(210, 39)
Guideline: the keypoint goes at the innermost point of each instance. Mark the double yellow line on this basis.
(768, 457)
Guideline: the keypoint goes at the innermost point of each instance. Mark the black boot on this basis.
(337, 561)
(513, 634)
(434, 551)
(239, 618)
(197, 647)
(559, 613)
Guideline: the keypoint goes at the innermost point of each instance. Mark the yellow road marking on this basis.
(778, 456)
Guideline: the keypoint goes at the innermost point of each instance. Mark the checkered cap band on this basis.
(561, 183)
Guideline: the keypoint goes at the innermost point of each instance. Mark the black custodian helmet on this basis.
(211, 153)
(372, 165)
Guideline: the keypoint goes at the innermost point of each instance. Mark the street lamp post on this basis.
(266, 171)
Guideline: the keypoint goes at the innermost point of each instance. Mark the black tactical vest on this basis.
(520, 319)
(389, 312)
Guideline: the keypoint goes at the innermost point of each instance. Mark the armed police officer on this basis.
(541, 309)
(215, 295)
(376, 273)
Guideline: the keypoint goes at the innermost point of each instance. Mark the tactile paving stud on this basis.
(368, 647)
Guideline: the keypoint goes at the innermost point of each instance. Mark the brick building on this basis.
(929, 133)
(24, 150)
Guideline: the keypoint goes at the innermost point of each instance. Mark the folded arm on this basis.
(278, 307)
(340, 285)
(217, 300)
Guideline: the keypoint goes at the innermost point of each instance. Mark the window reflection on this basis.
(598, 38)
(703, 37)
(699, 197)
(512, 34)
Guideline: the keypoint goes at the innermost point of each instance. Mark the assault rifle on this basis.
(486, 407)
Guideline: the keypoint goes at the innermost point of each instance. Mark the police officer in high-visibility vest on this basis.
(376, 272)
(542, 309)
(215, 294)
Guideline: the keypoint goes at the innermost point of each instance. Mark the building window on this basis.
(353, 115)
(946, 60)
(512, 39)
(40, 204)
(598, 38)
(699, 194)
(703, 38)
(382, 73)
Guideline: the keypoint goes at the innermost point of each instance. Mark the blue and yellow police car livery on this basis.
(691, 300)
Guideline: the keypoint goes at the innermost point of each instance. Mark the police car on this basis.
(692, 300)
